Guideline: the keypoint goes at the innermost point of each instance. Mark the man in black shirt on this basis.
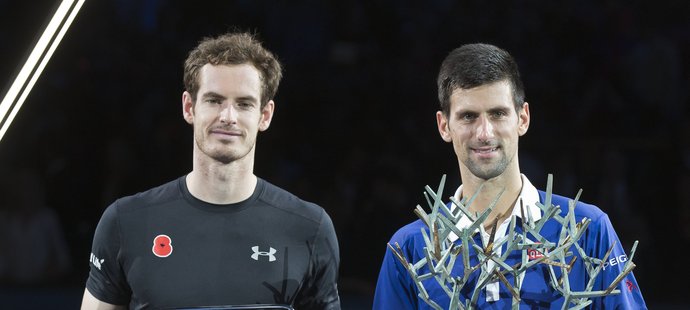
(219, 236)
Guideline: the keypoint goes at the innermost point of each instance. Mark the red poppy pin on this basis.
(162, 246)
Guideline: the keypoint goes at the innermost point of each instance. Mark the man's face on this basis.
(226, 114)
(484, 128)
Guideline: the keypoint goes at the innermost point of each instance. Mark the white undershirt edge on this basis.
(529, 196)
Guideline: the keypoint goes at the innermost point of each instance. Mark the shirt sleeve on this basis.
(630, 296)
(394, 287)
(320, 289)
(106, 280)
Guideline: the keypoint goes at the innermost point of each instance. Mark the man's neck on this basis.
(219, 183)
(507, 185)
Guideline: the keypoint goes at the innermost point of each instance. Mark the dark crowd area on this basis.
(354, 128)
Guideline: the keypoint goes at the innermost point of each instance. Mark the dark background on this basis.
(354, 128)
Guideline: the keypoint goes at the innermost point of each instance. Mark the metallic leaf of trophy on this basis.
(441, 253)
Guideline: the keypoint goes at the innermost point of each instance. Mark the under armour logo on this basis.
(270, 253)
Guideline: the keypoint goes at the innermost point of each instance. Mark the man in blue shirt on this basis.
(483, 114)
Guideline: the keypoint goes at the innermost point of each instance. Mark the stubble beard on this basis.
(223, 153)
(488, 170)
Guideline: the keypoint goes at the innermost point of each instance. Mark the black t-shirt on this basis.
(164, 248)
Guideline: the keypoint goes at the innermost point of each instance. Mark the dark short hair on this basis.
(477, 64)
(233, 49)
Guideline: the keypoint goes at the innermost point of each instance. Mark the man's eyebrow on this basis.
(498, 109)
(492, 110)
(248, 98)
(214, 95)
(464, 112)
(211, 94)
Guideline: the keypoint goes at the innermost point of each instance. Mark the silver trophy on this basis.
(442, 253)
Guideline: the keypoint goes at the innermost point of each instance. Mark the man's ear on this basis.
(266, 115)
(443, 129)
(188, 107)
(523, 119)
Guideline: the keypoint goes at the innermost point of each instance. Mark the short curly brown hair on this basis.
(233, 49)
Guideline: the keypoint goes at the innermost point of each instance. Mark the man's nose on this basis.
(228, 115)
(485, 129)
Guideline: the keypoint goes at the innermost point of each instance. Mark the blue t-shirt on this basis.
(395, 288)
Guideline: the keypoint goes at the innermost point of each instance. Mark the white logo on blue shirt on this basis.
(620, 259)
